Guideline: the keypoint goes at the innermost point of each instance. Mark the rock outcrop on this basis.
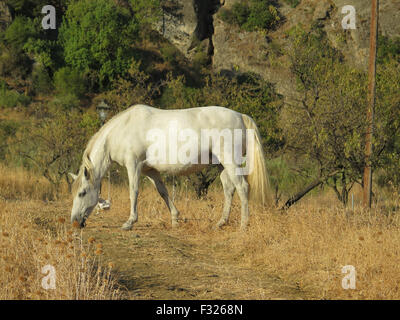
(191, 22)
(5, 16)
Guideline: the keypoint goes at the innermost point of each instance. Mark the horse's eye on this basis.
(82, 194)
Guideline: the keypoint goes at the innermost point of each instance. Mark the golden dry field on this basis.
(298, 254)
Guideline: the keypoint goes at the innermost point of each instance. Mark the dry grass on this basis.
(26, 246)
(307, 246)
(304, 248)
(17, 183)
(29, 242)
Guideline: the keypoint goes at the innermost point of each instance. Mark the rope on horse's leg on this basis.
(109, 186)
(173, 188)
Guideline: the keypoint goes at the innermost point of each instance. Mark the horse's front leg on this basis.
(133, 176)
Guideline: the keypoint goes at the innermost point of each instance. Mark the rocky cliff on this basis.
(194, 22)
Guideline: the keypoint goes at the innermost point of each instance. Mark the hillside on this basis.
(287, 64)
(232, 49)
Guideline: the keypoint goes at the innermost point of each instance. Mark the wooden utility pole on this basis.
(367, 194)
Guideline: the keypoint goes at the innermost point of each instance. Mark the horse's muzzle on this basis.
(79, 222)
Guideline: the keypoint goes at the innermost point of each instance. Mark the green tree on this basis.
(54, 145)
(325, 122)
(69, 81)
(97, 37)
(17, 34)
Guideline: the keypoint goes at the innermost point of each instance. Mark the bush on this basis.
(388, 48)
(8, 128)
(11, 98)
(263, 15)
(240, 12)
(69, 82)
(97, 35)
(65, 102)
(18, 33)
(14, 63)
(252, 15)
(201, 59)
(41, 81)
(169, 53)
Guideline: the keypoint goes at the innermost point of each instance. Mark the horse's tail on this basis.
(258, 178)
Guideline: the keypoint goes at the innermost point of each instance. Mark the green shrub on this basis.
(388, 48)
(65, 102)
(252, 15)
(17, 34)
(11, 98)
(41, 81)
(8, 128)
(227, 16)
(69, 82)
(14, 63)
(263, 15)
(240, 12)
(169, 53)
(201, 59)
(97, 35)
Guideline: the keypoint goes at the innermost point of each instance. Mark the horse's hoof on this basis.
(220, 224)
(127, 226)
(175, 224)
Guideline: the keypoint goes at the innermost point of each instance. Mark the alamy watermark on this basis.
(349, 281)
(190, 147)
(49, 20)
(49, 280)
(349, 21)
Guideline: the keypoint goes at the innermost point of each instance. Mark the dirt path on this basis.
(157, 262)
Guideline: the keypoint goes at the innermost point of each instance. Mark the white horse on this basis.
(130, 138)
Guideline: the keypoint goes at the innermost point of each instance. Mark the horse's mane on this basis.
(89, 147)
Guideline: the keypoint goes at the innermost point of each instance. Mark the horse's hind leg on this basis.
(155, 178)
(229, 190)
(133, 175)
(242, 188)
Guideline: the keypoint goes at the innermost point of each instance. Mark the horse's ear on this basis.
(73, 176)
(86, 173)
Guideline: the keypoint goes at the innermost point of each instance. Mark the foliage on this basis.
(55, 143)
(13, 63)
(133, 89)
(388, 122)
(282, 178)
(97, 36)
(13, 60)
(145, 11)
(41, 81)
(325, 123)
(20, 30)
(69, 81)
(252, 15)
(388, 48)
(11, 98)
(8, 129)
(32, 8)
(65, 102)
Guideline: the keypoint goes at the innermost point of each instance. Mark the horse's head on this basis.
(85, 192)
